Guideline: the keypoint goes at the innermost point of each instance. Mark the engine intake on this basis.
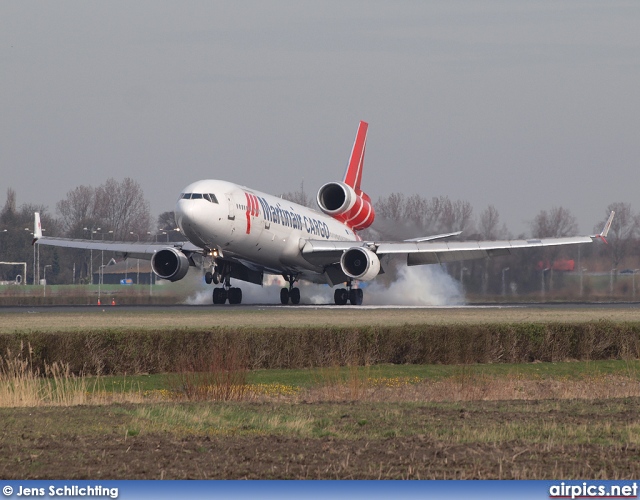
(335, 198)
(170, 264)
(360, 263)
(343, 203)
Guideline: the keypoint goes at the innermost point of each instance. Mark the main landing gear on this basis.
(290, 294)
(352, 295)
(222, 274)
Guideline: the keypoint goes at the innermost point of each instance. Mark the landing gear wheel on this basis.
(340, 296)
(208, 278)
(235, 295)
(355, 296)
(284, 296)
(219, 295)
(294, 295)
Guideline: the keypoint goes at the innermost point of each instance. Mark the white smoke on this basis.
(415, 286)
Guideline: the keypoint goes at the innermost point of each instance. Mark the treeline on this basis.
(119, 211)
(113, 211)
(525, 271)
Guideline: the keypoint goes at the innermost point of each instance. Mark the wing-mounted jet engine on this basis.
(170, 264)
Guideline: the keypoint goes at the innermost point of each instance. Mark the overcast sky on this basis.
(525, 105)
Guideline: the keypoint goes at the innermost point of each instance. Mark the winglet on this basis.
(37, 228)
(353, 175)
(605, 230)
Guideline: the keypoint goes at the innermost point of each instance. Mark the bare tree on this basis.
(624, 229)
(556, 223)
(489, 229)
(489, 223)
(392, 207)
(300, 197)
(77, 209)
(122, 208)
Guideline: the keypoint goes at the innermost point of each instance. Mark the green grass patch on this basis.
(304, 379)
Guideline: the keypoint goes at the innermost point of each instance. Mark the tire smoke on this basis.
(415, 286)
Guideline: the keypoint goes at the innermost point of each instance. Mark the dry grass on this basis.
(463, 387)
(23, 385)
(211, 376)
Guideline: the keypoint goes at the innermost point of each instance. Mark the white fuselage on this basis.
(257, 229)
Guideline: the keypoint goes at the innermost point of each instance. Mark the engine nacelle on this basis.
(343, 203)
(170, 264)
(360, 263)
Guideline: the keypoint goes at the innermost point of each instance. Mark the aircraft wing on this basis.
(138, 250)
(131, 250)
(420, 251)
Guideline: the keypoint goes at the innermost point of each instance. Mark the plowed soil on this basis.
(95, 443)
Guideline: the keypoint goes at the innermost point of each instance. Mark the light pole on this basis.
(36, 270)
(92, 231)
(582, 270)
(504, 286)
(613, 271)
(462, 271)
(101, 273)
(44, 289)
(100, 277)
(542, 273)
(137, 260)
(634, 282)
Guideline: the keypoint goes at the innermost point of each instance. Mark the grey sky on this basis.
(524, 105)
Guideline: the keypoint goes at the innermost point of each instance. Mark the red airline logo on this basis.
(253, 209)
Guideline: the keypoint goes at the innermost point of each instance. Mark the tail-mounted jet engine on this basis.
(360, 263)
(343, 203)
(170, 264)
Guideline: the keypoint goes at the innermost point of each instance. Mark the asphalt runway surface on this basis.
(258, 307)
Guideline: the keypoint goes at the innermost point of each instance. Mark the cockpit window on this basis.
(199, 196)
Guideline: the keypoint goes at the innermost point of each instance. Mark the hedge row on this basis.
(135, 352)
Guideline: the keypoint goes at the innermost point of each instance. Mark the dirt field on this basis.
(484, 440)
(506, 438)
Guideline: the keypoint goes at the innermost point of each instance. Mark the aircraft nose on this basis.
(188, 217)
(182, 214)
(195, 218)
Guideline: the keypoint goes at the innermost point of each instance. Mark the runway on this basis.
(275, 307)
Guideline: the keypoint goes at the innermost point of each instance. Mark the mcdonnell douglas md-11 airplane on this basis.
(240, 233)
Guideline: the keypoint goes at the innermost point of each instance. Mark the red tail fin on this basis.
(353, 175)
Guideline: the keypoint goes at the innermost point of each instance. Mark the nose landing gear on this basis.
(222, 274)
